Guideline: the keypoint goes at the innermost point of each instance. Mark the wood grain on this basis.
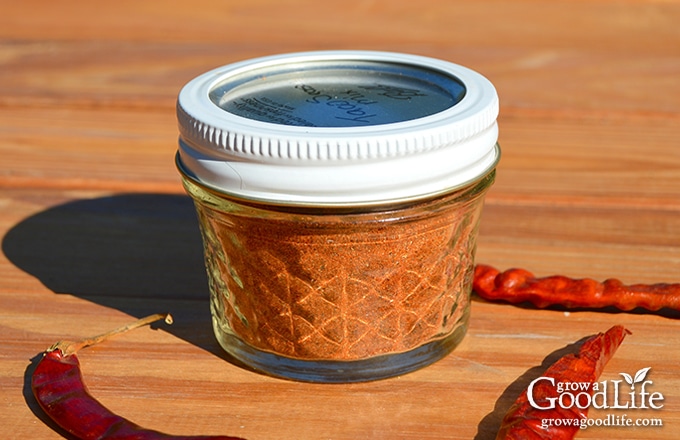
(96, 228)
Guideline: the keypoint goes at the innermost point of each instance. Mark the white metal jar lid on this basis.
(337, 128)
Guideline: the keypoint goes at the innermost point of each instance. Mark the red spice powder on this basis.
(341, 286)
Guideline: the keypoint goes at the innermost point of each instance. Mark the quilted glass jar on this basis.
(339, 196)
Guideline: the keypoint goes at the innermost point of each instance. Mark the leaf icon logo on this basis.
(639, 377)
(628, 378)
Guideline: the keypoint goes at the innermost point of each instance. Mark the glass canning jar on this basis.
(339, 195)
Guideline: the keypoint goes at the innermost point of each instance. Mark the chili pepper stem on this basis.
(70, 347)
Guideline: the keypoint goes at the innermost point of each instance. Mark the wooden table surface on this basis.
(96, 228)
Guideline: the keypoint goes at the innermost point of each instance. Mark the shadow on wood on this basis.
(117, 250)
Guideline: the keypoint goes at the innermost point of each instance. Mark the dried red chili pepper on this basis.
(58, 386)
(518, 285)
(524, 421)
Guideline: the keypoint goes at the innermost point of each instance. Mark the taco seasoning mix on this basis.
(338, 195)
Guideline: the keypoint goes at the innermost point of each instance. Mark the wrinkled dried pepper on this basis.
(518, 285)
(58, 386)
(524, 421)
